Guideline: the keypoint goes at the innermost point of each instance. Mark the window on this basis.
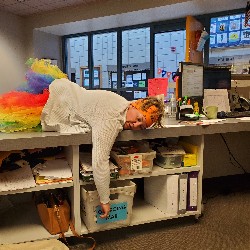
(105, 60)
(77, 58)
(135, 62)
(169, 51)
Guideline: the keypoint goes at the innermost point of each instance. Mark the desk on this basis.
(21, 223)
(21, 140)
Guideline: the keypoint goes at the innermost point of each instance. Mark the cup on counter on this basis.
(210, 112)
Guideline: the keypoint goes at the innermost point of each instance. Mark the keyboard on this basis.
(237, 114)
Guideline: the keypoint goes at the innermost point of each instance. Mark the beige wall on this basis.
(12, 51)
(47, 46)
(217, 160)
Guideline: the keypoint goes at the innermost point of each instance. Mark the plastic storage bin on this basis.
(121, 195)
(170, 157)
(169, 161)
(137, 163)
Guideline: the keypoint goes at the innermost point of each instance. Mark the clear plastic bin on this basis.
(121, 203)
(169, 161)
(137, 163)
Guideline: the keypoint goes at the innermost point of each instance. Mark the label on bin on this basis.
(118, 211)
(136, 162)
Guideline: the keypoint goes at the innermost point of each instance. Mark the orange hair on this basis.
(151, 108)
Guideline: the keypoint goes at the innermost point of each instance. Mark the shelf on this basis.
(21, 223)
(240, 76)
(145, 213)
(156, 171)
(39, 188)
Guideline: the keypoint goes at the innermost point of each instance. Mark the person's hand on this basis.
(105, 210)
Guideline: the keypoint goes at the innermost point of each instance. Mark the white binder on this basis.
(172, 194)
(182, 200)
(192, 191)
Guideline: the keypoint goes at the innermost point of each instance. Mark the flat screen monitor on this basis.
(217, 78)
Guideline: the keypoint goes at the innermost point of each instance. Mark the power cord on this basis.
(231, 156)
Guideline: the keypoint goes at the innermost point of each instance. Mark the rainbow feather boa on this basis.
(21, 109)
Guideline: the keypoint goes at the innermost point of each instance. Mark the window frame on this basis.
(155, 27)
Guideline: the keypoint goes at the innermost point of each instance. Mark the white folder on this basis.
(172, 194)
(182, 193)
(192, 191)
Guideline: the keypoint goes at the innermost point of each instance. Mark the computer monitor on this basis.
(190, 82)
(216, 77)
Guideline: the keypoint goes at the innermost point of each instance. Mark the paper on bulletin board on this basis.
(86, 82)
(142, 84)
(137, 94)
(157, 86)
(137, 77)
(216, 97)
(129, 81)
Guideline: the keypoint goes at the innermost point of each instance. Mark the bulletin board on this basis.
(193, 32)
(135, 78)
(85, 76)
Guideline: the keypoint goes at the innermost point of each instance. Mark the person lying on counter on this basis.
(73, 109)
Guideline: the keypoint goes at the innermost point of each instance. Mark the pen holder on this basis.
(183, 110)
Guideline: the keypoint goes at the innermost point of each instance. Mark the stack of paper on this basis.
(52, 171)
(17, 179)
(86, 169)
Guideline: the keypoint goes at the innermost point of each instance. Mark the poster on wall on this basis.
(229, 31)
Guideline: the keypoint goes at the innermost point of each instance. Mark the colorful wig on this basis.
(21, 109)
(40, 75)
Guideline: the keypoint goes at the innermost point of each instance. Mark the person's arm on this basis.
(103, 138)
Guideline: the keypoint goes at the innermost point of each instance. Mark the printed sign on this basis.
(118, 211)
(136, 162)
